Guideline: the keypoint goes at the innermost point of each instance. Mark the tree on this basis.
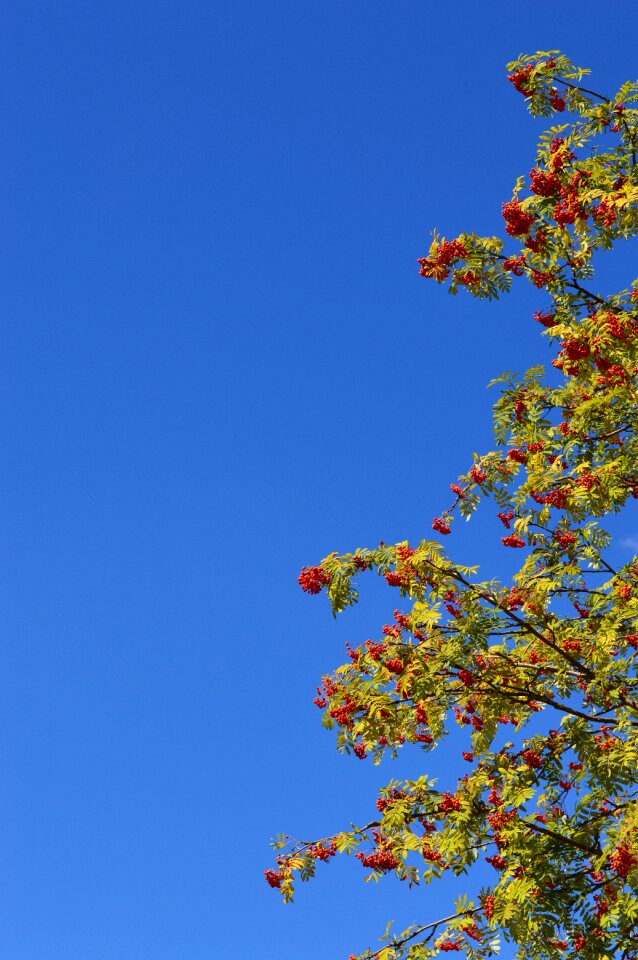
(540, 673)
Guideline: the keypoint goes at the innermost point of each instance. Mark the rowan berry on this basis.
(441, 526)
(477, 475)
(517, 222)
(544, 184)
(449, 802)
(512, 541)
(394, 665)
(532, 759)
(313, 579)
(515, 265)
(497, 861)
(381, 860)
(488, 906)
(520, 79)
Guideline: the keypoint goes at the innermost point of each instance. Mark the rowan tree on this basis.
(538, 672)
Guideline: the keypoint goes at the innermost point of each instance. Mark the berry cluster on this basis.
(437, 264)
(517, 222)
(313, 579)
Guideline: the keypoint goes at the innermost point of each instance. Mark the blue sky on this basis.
(219, 363)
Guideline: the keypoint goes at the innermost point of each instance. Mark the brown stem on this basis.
(537, 828)
(575, 86)
(427, 926)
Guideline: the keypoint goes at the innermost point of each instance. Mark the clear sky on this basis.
(219, 363)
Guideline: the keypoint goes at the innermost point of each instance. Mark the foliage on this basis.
(539, 672)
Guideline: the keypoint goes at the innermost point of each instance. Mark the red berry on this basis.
(441, 526)
(313, 579)
(512, 541)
